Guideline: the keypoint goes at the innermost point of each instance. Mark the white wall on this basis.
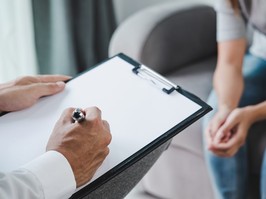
(125, 8)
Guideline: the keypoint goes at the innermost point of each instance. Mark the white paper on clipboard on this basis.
(137, 111)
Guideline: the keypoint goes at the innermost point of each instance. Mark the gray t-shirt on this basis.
(231, 25)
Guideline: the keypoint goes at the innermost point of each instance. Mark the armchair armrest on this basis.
(167, 36)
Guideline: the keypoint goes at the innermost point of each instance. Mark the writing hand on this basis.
(84, 144)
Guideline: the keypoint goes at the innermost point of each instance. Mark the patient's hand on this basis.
(215, 124)
(233, 132)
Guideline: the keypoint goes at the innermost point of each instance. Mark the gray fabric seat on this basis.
(179, 41)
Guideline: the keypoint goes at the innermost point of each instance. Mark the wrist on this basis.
(252, 112)
(257, 112)
(226, 109)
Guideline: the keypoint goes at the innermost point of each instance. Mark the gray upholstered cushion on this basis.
(182, 38)
(140, 33)
(195, 77)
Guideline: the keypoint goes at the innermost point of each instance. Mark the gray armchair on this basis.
(178, 40)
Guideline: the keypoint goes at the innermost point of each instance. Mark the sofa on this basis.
(178, 40)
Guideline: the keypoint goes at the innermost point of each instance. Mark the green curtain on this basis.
(72, 35)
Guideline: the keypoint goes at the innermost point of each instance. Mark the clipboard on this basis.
(144, 110)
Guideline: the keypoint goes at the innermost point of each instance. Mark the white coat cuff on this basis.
(54, 173)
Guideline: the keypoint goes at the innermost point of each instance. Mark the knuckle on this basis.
(66, 114)
(24, 80)
(68, 110)
(95, 121)
(93, 114)
(237, 111)
(106, 152)
(95, 110)
(106, 125)
(108, 138)
(51, 87)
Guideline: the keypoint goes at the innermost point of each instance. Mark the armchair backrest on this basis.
(184, 37)
(167, 36)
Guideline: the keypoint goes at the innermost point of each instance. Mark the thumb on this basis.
(45, 89)
(219, 135)
(225, 129)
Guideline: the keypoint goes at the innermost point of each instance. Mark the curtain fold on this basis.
(17, 48)
(72, 35)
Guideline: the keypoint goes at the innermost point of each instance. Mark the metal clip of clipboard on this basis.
(158, 80)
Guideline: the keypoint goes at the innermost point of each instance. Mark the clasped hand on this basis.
(227, 131)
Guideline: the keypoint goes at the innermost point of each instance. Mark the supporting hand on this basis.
(25, 91)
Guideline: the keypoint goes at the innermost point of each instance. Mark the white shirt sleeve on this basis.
(49, 176)
(230, 25)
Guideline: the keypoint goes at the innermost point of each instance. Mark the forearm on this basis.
(257, 112)
(228, 85)
(228, 79)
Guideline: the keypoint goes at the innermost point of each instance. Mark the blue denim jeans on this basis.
(229, 176)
